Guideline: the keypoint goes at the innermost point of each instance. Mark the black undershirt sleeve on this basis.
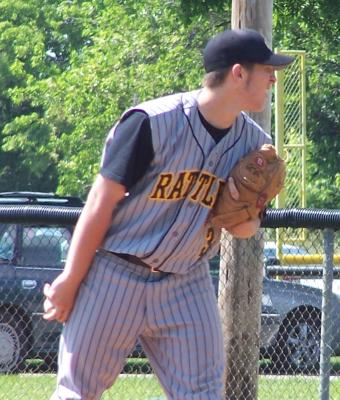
(128, 151)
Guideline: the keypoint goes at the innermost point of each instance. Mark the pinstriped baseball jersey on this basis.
(165, 218)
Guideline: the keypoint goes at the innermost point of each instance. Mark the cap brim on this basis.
(279, 61)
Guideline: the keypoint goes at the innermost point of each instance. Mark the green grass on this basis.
(146, 387)
(297, 388)
(39, 386)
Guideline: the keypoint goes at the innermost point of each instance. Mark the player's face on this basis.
(257, 87)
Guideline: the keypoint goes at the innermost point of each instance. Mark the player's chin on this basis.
(256, 108)
(259, 107)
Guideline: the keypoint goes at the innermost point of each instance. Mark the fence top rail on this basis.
(62, 215)
(274, 218)
(302, 218)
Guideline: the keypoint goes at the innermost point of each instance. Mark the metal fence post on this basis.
(325, 364)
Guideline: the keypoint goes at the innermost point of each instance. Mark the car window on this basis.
(45, 246)
(7, 241)
(269, 252)
(286, 249)
(270, 249)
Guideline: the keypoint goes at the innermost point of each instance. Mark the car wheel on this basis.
(13, 343)
(298, 343)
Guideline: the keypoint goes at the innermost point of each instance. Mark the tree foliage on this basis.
(36, 41)
(69, 68)
(313, 26)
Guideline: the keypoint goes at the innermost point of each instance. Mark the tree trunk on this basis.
(241, 269)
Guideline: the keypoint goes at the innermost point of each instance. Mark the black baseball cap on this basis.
(239, 46)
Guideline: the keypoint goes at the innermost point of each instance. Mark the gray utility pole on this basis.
(257, 15)
(241, 269)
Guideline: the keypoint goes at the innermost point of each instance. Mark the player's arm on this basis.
(127, 154)
(89, 232)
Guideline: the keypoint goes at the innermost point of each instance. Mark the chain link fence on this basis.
(299, 340)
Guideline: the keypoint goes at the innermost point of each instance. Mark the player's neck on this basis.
(219, 110)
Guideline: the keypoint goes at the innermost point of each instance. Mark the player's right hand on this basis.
(232, 188)
(245, 230)
(59, 299)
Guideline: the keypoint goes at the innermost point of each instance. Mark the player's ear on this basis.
(237, 72)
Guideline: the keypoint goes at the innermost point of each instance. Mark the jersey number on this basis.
(209, 238)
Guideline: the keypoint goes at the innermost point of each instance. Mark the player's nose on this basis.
(272, 78)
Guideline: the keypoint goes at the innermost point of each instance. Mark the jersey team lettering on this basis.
(196, 185)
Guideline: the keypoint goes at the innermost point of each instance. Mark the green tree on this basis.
(36, 41)
(70, 67)
(138, 50)
(313, 26)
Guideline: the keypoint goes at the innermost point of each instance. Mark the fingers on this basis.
(46, 289)
(232, 189)
(51, 311)
(54, 313)
(48, 305)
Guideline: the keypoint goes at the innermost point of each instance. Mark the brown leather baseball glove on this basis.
(258, 178)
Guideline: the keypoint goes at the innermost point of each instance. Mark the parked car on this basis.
(291, 323)
(270, 252)
(32, 254)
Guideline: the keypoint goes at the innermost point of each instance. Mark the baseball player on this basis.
(138, 266)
